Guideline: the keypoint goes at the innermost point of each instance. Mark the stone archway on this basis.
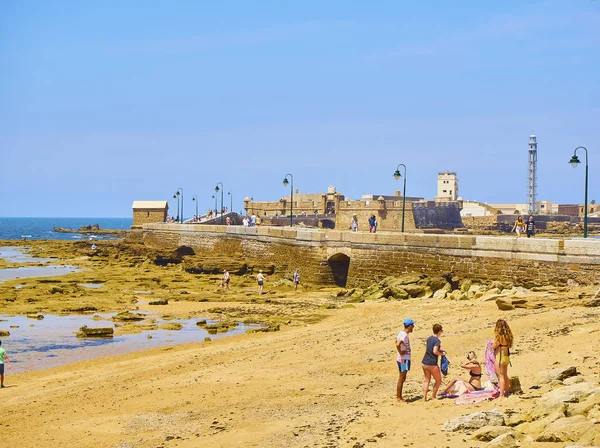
(339, 264)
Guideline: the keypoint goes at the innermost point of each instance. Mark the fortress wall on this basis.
(528, 262)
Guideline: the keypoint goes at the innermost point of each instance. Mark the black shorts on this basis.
(1, 369)
(260, 283)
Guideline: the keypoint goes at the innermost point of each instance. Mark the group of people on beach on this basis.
(434, 362)
(260, 280)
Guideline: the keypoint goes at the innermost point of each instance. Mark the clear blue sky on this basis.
(103, 103)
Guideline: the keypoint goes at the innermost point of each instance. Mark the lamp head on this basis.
(397, 175)
(178, 193)
(228, 193)
(285, 182)
(217, 188)
(574, 161)
(174, 197)
(194, 198)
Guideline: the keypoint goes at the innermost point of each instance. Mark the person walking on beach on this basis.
(530, 227)
(403, 358)
(296, 279)
(3, 359)
(431, 362)
(260, 278)
(225, 281)
(519, 226)
(503, 341)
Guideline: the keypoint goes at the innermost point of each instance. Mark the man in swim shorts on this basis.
(403, 358)
(260, 278)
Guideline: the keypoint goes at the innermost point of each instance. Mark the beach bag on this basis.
(490, 363)
(444, 365)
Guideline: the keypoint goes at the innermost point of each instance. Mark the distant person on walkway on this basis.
(519, 226)
(168, 219)
(260, 278)
(431, 363)
(225, 280)
(458, 386)
(403, 357)
(530, 227)
(3, 359)
(296, 279)
(252, 220)
(245, 221)
(503, 341)
(354, 223)
(228, 221)
(371, 223)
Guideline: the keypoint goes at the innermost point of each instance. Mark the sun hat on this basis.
(408, 322)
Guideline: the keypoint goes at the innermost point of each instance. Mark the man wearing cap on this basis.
(403, 358)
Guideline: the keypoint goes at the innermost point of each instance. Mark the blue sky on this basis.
(103, 103)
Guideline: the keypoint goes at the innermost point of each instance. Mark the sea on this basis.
(41, 228)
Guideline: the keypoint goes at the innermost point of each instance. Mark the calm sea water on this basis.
(41, 228)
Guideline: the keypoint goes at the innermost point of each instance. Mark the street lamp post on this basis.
(195, 199)
(177, 195)
(214, 196)
(574, 163)
(285, 183)
(397, 176)
(217, 190)
(252, 200)
(230, 201)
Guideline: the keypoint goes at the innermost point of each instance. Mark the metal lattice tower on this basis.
(532, 175)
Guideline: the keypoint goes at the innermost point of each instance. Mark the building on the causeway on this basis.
(304, 204)
(145, 212)
(447, 186)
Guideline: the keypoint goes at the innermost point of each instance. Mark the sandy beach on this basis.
(326, 381)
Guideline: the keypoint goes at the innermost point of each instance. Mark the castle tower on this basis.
(447, 186)
(532, 175)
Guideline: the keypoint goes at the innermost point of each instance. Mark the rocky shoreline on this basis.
(321, 374)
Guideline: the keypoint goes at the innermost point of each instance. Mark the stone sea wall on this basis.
(322, 254)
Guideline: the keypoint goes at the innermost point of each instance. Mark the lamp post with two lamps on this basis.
(179, 196)
(195, 199)
(285, 183)
(397, 176)
(221, 190)
(575, 163)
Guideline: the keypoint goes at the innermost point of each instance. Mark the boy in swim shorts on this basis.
(403, 358)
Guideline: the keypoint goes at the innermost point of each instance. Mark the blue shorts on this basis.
(1, 369)
(403, 366)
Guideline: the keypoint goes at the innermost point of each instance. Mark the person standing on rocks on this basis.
(260, 278)
(403, 358)
(503, 341)
(3, 359)
(431, 359)
(530, 227)
(225, 281)
(296, 279)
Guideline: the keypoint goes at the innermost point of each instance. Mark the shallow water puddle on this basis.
(17, 255)
(50, 342)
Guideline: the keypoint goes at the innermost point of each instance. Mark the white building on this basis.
(447, 186)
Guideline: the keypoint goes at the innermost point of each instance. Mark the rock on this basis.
(457, 294)
(412, 290)
(504, 305)
(426, 294)
(584, 406)
(488, 433)
(55, 290)
(358, 292)
(568, 394)
(438, 283)
(174, 326)
(405, 279)
(475, 421)
(466, 285)
(126, 316)
(4, 333)
(573, 380)
(201, 322)
(592, 302)
(159, 302)
(85, 332)
(507, 440)
(35, 316)
(515, 385)
(569, 429)
(558, 373)
(397, 292)
(443, 291)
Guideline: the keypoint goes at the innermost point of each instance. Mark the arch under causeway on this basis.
(339, 264)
